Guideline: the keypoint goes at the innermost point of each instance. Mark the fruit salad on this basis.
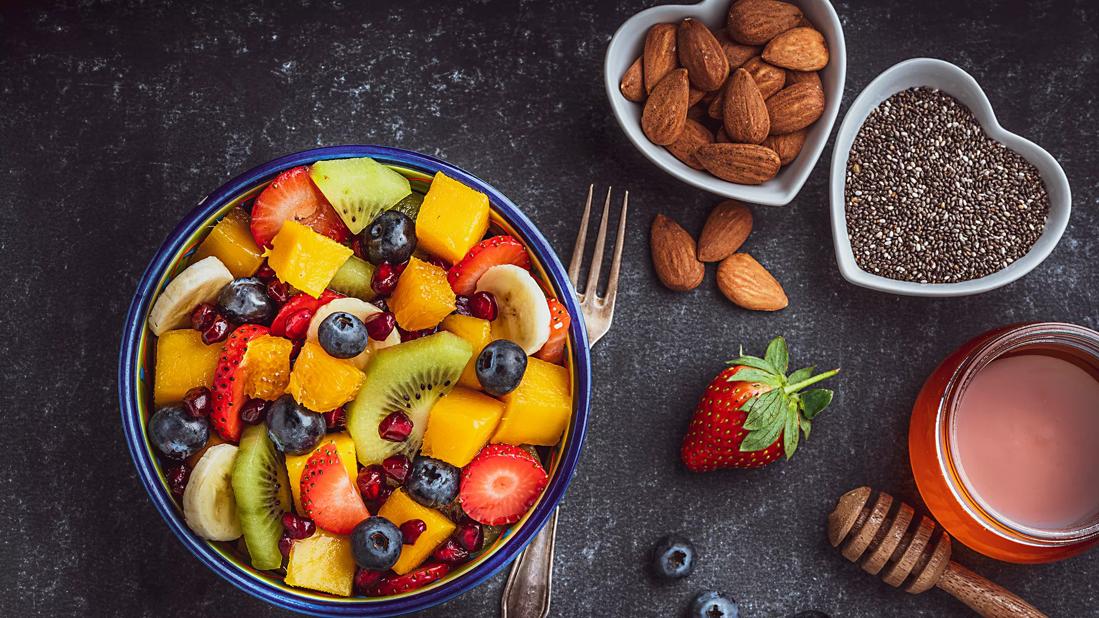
(358, 387)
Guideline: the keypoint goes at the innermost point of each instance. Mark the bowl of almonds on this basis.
(736, 98)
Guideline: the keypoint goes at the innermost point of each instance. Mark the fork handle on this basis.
(530, 582)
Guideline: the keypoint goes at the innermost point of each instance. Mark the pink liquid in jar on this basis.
(1026, 442)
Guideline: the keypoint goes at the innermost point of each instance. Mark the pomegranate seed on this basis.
(335, 420)
(400, 267)
(177, 477)
(469, 536)
(380, 304)
(438, 262)
(278, 291)
(397, 467)
(366, 579)
(265, 273)
(412, 529)
(296, 350)
(298, 527)
(198, 401)
(217, 331)
(409, 335)
(253, 411)
(297, 325)
(203, 316)
(376, 505)
(483, 305)
(357, 247)
(450, 553)
(371, 482)
(380, 325)
(385, 279)
(396, 427)
(285, 543)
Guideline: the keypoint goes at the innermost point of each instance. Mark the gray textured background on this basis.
(116, 117)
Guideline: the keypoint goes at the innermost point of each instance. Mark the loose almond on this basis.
(769, 78)
(720, 137)
(726, 229)
(743, 112)
(632, 85)
(736, 53)
(787, 145)
(809, 77)
(754, 22)
(746, 164)
(701, 54)
(694, 95)
(799, 49)
(747, 284)
(665, 111)
(713, 110)
(673, 252)
(795, 107)
(694, 135)
(659, 57)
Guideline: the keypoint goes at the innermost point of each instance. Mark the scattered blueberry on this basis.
(713, 605)
(673, 557)
(376, 543)
(342, 335)
(245, 301)
(294, 429)
(391, 237)
(500, 367)
(432, 483)
(177, 434)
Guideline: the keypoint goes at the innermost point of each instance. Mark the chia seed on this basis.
(930, 198)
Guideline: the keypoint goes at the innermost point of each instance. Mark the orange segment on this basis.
(320, 382)
(538, 410)
(452, 219)
(305, 259)
(398, 509)
(231, 242)
(423, 296)
(182, 363)
(267, 360)
(478, 333)
(460, 424)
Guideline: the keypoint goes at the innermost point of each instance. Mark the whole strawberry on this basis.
(753, 413)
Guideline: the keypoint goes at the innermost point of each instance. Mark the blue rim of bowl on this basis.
(134, 326)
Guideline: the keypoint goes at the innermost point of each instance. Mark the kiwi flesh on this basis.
(409, 377)
(410, 205)
(354, 278)
(262, 490)
(359, 189)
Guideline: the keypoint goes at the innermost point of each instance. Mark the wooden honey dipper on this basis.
(908, 551)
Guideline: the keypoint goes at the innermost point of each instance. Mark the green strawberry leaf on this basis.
(761, 438)
(764, 409)
(790, 433)
(805, 425)
(748, 374)
(813, 401)
(801, 374)
(753, 361)
(778, 355)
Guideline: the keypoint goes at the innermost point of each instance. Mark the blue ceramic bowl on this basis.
(135, 389)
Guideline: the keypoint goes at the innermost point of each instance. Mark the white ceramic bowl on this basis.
(960, 85)
(626, 46)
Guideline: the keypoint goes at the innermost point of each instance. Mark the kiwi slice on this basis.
(359, 189)
(262, 490)
(353, 278)
(410, 205)
(409, 377)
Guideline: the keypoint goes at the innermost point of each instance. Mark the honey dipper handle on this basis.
(983, 596)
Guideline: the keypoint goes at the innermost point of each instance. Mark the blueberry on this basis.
(673, 557)
(812, 613)
(293, 428)
(177, 434)
(432, 483)
(376, 543)
(391, 237)
(713, 605)
(245, 301)
(500, 367)
(343, 335)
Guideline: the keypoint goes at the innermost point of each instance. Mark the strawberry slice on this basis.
(327, 495)
(419, 578)
(501, 484)
(229, 382)
(484, 255)
(293, 196)
(553, 351)
(298, 303)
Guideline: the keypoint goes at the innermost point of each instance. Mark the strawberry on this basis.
(327, 495)
(553, 351)
(752, 413)
(229, 382)
(501, 484)
(292, 195)
(484, 255)
(299, 303)
(419, 578)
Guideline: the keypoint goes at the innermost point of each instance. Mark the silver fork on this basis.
(528, 590)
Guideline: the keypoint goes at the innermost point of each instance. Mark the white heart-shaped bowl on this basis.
(960, 85)
(626, 45)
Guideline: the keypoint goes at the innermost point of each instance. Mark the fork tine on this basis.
(597, 255)
(578, 248)
(616, 260)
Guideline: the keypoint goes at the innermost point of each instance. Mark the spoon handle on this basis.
(530, 582)
(983, 596)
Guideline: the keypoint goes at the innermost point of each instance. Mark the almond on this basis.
(701, 54)
(786, 146)
(795, 107)
(697, 113)
(736, 53)
(726, 229)
(746, 164)
(713, 110)
(800, 49)
(770, 79)
(665, 111)
(743, 111)
(694, 135)
(659, 57)
(809, 77)
(632, 85)
(747, 284)
(721, 138)
(673, 252)
(694, 95)
(754, 22)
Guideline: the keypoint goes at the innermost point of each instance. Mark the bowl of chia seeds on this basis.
(930, 196)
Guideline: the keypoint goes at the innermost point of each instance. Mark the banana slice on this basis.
(523, 315)
(198, 283)
(360, 309)
(209, 505)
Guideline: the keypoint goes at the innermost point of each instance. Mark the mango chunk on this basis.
(538, 410)
(398, 509)
(460, 424)
(452, 219)
(231, 242)
(423, 296)
(478, 333)
(322, 562)
(305, 259)
(323, 383)
(183, 362)
(295, 464)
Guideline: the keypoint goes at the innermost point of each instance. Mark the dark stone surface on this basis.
(118, 116)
